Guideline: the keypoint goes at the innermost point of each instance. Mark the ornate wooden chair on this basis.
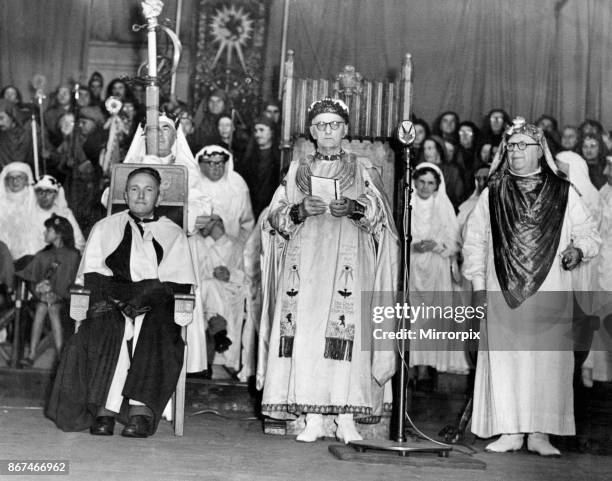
(174, 206)
(376, 107)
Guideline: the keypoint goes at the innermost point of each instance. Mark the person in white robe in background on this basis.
(18, 223)
(52, 200)
(435, 242)
(598, 365)
(228, 191)
(518, 253)
(223, 287)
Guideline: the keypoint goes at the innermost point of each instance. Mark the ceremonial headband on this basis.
(520, 126)
(328, 106)
(210, 150)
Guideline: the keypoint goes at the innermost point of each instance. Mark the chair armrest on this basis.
(183, 309)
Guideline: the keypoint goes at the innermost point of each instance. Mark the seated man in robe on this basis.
(173, 149)
(223, 287)
(129, 351)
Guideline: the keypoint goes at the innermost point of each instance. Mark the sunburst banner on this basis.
(230, 52)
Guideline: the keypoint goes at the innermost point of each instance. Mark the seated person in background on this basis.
(60, 104)
(51, 274)
(50, 200)
(18, 229)
(7, 280)
(231, 139)
(188, 127)
(261, 165)
(7, 270)
(223, 287)
(133, 263)
(96, 84)
(206, 116)
(272, 111)
(15, 140)
(228, 191)
(173, 149)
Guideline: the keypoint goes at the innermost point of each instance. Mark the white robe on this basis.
(226, 299)
(41, 215)
(231, 201)
(198, 203)
(18, 223)
(323, 259)
(176, 266)
(431, 281)
(600, 357)
(524, 391)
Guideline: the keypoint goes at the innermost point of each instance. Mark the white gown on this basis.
(524, 391)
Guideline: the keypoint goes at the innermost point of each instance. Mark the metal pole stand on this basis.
(400, 445)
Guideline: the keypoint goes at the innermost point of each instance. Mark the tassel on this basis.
(338, 349)
(285, 347)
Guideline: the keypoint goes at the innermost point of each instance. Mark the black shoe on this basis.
(137, 427)
(103, 426)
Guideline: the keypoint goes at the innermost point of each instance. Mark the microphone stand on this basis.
(400, 445)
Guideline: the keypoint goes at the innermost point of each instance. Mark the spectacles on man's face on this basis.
(512, 146)
(334, 125)
(213, 163)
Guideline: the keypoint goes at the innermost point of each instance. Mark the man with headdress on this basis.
(220, 246)
(50, 199)
(173, 149)
(227, 189)
(15, 140)
(128, 352)
(336, 249)
(528, 230)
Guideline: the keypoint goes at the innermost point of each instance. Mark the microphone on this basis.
(406, 132)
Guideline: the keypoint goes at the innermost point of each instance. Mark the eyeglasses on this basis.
(212, 163)
(321, 126)
(512, 146)
(17, 178)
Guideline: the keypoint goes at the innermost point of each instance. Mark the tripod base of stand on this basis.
(406, 448)
(418, 454)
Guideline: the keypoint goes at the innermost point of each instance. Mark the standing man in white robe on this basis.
(338, 251)
(527, 232)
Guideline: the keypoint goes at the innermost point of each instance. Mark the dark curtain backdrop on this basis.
(113, 20)
(528, 56)
(531, 57)
(46, 37)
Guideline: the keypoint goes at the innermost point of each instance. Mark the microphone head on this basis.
(406, 132)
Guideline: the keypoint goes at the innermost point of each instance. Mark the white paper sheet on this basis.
(327, 189)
